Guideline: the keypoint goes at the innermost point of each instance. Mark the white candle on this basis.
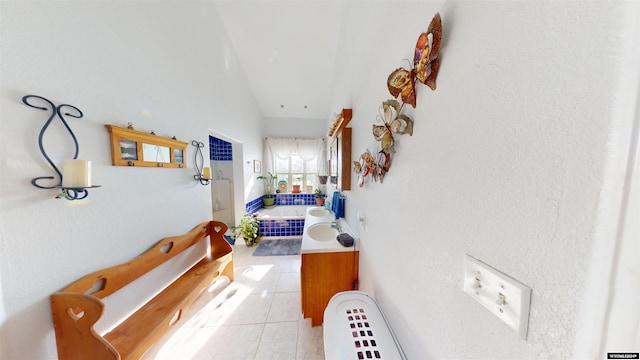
(206, 173)
(76, 173)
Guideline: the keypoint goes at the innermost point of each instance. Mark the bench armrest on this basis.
(74, 315)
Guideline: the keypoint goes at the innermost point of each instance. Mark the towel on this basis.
(335, 204)
(341, 205)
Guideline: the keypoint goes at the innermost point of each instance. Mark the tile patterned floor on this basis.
(257, 316)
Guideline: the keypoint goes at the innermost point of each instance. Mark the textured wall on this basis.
(165, 66)
(506, 164)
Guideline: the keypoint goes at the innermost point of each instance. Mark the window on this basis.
(295, 170)
(297, 161)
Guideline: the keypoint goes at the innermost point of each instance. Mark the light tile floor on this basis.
(258, 316)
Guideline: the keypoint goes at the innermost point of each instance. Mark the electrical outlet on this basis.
(361, 220)
(502, 295)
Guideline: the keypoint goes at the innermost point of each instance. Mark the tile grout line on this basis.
(255, 355)
(295, 355)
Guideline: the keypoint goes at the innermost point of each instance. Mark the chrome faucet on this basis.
(335, 225)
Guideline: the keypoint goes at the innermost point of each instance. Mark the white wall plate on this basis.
(504, 296)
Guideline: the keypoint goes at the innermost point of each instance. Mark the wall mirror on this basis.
(135, 148)
(333, 163)
(340, 152)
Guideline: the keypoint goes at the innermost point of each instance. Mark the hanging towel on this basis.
(341, 205)
(335, 205)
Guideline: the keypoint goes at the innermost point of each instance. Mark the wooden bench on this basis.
(78, 307)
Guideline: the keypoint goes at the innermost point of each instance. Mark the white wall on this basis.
(291, 128)
(506, 163)
(165, 66)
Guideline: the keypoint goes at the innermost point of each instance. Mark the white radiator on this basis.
(355, 328)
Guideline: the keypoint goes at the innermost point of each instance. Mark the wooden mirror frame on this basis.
(340, 152)
(120, 136)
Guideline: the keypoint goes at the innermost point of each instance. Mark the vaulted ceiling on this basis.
(288, 51)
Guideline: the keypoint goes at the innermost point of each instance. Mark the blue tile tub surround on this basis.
(219, 149)
(295, 199)
(277, 228)
(282, 199)
(253, 205)
(282, 227)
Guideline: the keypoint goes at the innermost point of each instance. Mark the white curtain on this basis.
(307, 149)
(281, 148)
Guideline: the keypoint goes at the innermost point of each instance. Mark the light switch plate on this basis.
(502, 295)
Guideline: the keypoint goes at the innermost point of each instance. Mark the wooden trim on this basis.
(341, 122)
(345, 152)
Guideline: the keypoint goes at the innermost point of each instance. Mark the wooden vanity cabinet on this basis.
(322, 275)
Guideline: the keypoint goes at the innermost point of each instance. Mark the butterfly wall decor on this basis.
(425, 65)
(401, 83)
(393, 122)
(375, 167)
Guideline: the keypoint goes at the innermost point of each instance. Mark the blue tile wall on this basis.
(219, 149)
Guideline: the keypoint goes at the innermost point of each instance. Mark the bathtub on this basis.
(283, 212)
(282, 221)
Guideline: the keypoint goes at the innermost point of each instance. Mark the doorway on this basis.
(225, 156)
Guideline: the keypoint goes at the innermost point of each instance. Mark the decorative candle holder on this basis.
(69, 190)
(203, 174)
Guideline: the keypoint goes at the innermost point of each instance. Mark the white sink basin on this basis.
(319, 212)
(322, 232)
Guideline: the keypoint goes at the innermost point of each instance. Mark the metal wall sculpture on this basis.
(401, 84)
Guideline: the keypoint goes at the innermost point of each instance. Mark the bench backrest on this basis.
(105, 282)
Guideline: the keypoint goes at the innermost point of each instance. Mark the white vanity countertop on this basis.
(312, 246)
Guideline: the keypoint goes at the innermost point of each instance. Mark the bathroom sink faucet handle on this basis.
(336, 226)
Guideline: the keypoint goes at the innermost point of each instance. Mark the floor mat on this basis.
(278, 247)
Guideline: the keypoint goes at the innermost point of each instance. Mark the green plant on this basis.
(318, 193)
(247, 228)
(269, 182)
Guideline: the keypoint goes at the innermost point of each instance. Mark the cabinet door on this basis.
(323, 275)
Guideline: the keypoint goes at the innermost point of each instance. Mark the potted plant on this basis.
(296, 185)
(317, 193)
(269, 182)
(247, 229)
